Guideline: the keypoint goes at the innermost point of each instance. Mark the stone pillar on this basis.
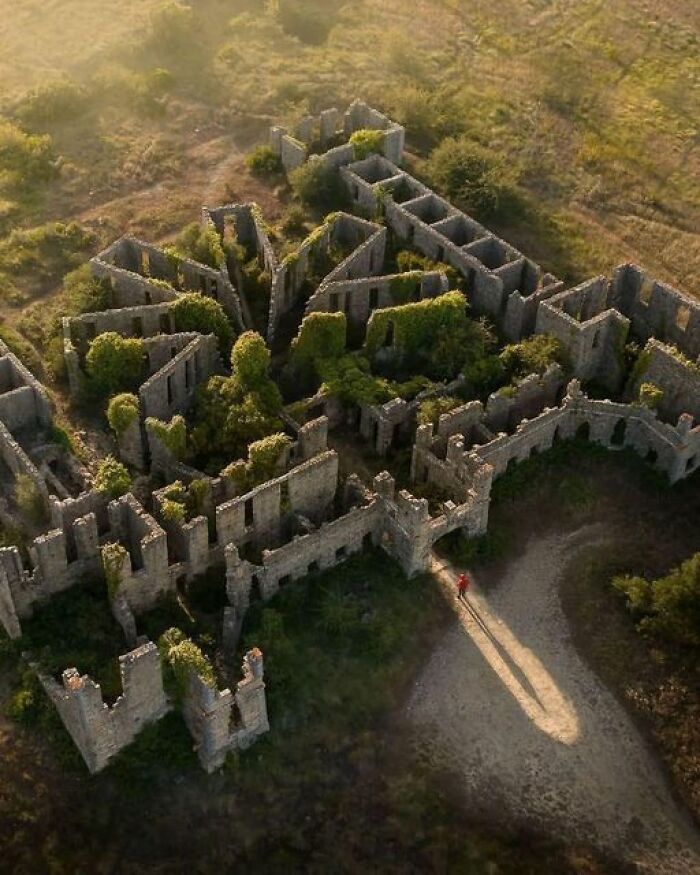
(130, 443)
(250, 696)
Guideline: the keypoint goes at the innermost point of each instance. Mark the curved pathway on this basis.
(507, 701)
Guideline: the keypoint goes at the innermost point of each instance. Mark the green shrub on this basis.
(350, 379)
(122, 411)
(366, 142)
(432, 409)
(195, 312)
(308, 20)
(85, 293)
(533, 356)
(264, 163)
(471, 176)
(55, 103)
(318, 186)
(26, 161)
(669, 606)
(265, 456)
(46, 252)
(114, 363)
(199, 242)
(250, 360)
(29, 499)
(183, 657)
(112, 478)
(294, 223)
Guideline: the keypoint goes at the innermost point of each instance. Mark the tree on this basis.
(250, 360)
(670, 605)
(471, 176)
(366, 142)
(319, 186)
(112, 478)
(114, 362)
(195, 312)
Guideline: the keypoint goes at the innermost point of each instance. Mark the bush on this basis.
(308, 20)
(318, 186)
(669, 606)
(533, 356)
(182, 656)
(114, 363)
(55, 103)
(25, 160)
(85, 293)
(250, 360)
(29, 499)
(112, 478)
(366, 142)
(350, 380)
(294, 223)
(264, 162)
(45, 252)
(432, 409)
(122, 411)
(199, 243)
(471, 176)
(195, 312)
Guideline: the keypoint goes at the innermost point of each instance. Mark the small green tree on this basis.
(670, 605)
(471, 175)
(122, 411)
(195, 312)
(114, 363)
(112, 478)
(250, 360)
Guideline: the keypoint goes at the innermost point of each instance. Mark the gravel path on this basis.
(506, 700)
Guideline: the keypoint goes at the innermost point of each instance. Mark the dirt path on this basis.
(540, 741)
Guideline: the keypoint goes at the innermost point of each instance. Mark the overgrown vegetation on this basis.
(114, 363)
(112, 478)
(195, 312)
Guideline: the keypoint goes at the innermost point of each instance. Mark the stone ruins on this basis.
(307, 518)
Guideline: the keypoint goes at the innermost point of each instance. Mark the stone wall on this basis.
(593, 335)
(358, 298)
(656, 309)
(98, 730)
(679, 381)
(208, 713)
(257, 517)
(173, 387)
(144, 576)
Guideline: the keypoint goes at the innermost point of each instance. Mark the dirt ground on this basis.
(507, 701)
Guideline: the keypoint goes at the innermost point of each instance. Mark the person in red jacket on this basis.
(463, 584)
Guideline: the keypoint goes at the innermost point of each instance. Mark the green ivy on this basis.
(113, 556)
(122, 411)
(172, 434)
